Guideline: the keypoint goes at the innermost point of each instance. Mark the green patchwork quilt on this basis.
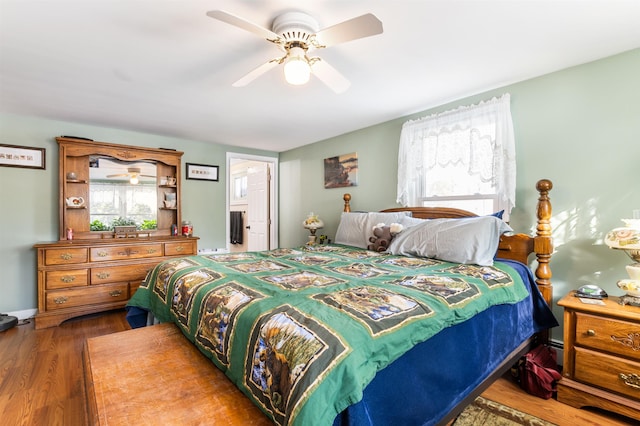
(302, 331)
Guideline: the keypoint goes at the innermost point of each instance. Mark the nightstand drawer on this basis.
(87, 296)
(608, 372)
(125, 252)
(66, 278)
(607, 334)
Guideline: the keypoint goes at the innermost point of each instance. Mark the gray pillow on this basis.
(356, 228)
(471, 240)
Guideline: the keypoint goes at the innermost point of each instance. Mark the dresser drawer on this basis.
(607, 334)
(605, 371)
(133, 287)
(185, 248)
(62, 299)
(65, 256)
(66, 278)
(111, 274)
(125, 252)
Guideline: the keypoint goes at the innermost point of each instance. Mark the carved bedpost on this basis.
(347, 200)
(543, 243)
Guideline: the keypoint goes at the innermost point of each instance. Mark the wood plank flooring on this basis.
(41, 377)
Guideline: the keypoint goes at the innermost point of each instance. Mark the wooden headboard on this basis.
(516, 246)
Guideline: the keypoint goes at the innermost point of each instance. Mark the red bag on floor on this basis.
(538, 372)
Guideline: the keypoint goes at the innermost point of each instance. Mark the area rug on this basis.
(484, 412)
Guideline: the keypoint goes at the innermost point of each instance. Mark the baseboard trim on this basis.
(23, 315)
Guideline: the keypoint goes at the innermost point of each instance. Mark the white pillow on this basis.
(410, 221)
(356, 228)
(471, 240)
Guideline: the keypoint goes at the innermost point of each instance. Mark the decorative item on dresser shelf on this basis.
(312, 223)
(627, 238)
(601, 355)
(124, 231)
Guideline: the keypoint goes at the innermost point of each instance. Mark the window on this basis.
(463, 158)
(123, 203)
(239, 187)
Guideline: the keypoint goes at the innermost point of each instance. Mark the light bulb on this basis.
(296, 69)
(133, 180)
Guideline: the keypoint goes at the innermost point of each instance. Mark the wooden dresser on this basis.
(601, 356)
(104, 186)
(80, 277)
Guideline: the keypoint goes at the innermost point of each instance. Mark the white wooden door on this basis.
(258, 207)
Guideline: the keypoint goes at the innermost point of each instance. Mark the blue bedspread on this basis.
(426, 383)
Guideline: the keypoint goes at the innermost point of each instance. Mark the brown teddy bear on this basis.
(382, 236)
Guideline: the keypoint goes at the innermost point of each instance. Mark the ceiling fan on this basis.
(133, 174)
(296, 34)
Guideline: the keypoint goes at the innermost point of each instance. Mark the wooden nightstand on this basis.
(601, 356)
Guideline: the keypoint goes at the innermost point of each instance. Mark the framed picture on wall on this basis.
(202, 172)
(22, 156)
(341, 171)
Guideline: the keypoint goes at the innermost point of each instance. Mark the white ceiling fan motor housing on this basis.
(295, 27)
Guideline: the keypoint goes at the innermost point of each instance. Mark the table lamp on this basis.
(312, 223)
(627, 238)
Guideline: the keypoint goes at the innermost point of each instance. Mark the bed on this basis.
(338, 334)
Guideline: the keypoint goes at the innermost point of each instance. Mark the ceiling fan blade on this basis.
(236, 21)
(363, 26)
(330, 76)
(267, 66)
(118, 175)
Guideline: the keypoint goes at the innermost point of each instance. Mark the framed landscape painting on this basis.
(341, 171)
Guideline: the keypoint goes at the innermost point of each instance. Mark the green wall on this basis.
(579, 127)
(29, 197)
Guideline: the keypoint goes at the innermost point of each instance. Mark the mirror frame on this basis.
(74, 154)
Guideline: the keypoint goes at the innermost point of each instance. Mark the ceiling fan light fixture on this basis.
(296, 68)
(134, 180)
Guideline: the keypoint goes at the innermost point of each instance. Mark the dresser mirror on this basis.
(122, 193)
(103, 185)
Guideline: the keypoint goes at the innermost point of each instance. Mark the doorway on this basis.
(252, 202)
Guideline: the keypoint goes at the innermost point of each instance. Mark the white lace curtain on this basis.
(475, 144)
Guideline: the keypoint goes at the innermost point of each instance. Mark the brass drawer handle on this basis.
(103, 275)
(179, 249)
(632, 380)
(60, 300)
(591, 333)
(123, 253)
(66, 256)
(103, 253)
(68, 278)
(151, 250)
(631, 340)
(130, 252)
(115, 293)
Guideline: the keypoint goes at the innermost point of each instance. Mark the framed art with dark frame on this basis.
(22, 156)
(202, 172)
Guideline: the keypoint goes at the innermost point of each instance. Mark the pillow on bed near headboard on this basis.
(355, 228)
(472, 240)
(410, 221)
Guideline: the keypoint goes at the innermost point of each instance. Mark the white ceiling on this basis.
(164, 67)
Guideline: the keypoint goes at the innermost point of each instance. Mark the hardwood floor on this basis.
(41, 377)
